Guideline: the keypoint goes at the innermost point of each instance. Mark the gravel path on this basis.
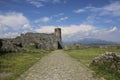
(58, 66)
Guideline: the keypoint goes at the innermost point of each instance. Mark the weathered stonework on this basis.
(9, 45)
(109, 60)
(38, 40)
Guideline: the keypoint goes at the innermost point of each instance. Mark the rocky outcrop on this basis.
(109, 60)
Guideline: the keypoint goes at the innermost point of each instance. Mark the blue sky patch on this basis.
(77, 18)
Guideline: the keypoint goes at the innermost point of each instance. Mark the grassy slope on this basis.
(17, 63)
(85, 56)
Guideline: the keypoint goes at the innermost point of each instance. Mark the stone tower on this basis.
(57, 34)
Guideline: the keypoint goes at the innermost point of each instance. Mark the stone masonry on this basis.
(37, 40)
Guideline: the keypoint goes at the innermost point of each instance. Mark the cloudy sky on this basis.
(78, 18)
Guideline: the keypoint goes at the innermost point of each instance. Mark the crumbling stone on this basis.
(8, 45)
(37, 40)
(109, 60)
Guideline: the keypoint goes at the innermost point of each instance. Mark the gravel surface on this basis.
(58, 66)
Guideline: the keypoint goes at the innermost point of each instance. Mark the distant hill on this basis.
(95, 41)
(90, 41)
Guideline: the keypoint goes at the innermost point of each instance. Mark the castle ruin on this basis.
(38, 40)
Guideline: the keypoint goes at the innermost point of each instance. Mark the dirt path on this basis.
(58, 66)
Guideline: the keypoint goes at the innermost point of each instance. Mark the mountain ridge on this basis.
(89, 41)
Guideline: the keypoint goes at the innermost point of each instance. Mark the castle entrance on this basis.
(0, 43)
(59, 46)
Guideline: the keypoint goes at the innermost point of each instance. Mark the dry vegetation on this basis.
(85, 56)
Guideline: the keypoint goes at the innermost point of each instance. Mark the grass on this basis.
(85, 56)
(15, 64)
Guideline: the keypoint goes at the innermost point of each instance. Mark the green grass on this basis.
(85, 56)
(17, 63)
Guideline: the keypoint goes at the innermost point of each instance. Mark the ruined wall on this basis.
(109, 61)
(9, 45)
(37, 40)
(42, 40)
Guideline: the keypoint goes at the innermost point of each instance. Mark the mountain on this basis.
(90, 41)
(95, 41)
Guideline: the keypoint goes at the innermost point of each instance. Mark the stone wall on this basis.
(40, 40)
(9, 45)
(37, 40)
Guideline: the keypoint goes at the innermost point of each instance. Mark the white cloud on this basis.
(72, 29)
(91, 19)
(36, 3)
(79, 10)
(113, 29)
(87, 8)
(27, 27)
(77, 32)
(58, 15)
(46, 29)
(44, 19)
(13, 19)
(41, 3)
(3, 28)
(13, 22)
(67, 29)
(105, 14)
(62, 19)
(58, 18)
(112, 9)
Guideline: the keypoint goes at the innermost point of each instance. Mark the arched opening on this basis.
(59, 46)
(1, 43)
